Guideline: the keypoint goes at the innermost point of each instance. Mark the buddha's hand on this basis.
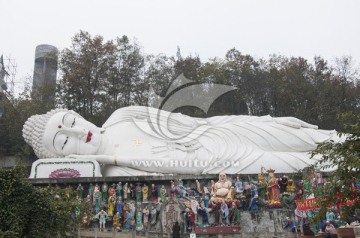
(75, 156)
(293, 122)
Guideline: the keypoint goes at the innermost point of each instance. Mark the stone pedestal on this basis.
(347, 232)
(65, 168)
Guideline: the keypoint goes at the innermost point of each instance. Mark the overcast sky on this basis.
(208, 28)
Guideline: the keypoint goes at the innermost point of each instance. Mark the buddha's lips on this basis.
(88, 138)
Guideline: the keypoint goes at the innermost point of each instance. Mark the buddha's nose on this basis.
(80, 132)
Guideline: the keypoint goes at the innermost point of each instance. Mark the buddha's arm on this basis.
(94, 157)
(162, 164)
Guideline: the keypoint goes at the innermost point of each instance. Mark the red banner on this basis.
(311, 203)
(307, 204)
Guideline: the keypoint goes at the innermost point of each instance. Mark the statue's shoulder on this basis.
(125, 114)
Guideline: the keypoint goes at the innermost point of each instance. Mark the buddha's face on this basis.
(222, 177)
(66, 133)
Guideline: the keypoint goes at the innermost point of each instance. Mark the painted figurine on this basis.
(146, 214)
(80, 190)
(145, 191)
(163, 193)
(239, 186)
(112, 190)
(119, 205)
(90, 191)
(225, 211)
(138, 192)
(96, 189)
(222, 189)
(139, 223)
(254, 196)
(234, 214)
(104, 191)
(118, 189)
(125, 188)
(116, 221)
(198, 186)
(154, 193)
(102, 216)
(111, 205)
(273, 191)
(204, 215)
(97, 200)
(153, 213)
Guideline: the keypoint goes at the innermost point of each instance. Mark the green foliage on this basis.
(344, 159)
(17, 111)
(27, 211)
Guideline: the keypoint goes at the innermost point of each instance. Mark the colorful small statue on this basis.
(127, 220)
(90, 191)
(239, 186)
(291, 186)
(234, 214)
(125, 188)
(204, 215)
(116, 221)
(102, 216)
(254, 196)
(119, 205)
(139, 223)
(104, 191)
(111, 205)
(198, 186)
(222, 189)
(319, 181)
(273, 191)
(97, 200)
(163, 193)
(96, 189)
(153, 213)
(68, 191)
(80, 190)
(145, 191)
(132, 191)
(146, 214)
(138, 192)
(225, 211)
(154, 193)
(118, 189)
(206, 200)
(283, 184)
(112, 190)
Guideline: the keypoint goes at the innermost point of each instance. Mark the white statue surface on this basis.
(142, 141)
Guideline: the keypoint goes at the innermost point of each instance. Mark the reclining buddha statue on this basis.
(141, 140)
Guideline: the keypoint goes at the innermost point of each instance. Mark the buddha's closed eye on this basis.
(65, 143)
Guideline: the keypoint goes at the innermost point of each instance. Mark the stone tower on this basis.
(45, 68)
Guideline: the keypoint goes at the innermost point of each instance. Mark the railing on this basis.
(110, 233)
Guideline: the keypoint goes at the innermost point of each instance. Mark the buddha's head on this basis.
(222, 177)
(61, 132)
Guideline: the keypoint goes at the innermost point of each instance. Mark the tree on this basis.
(85, 68)
(131, 64)
(243, 72)
(28, 211)
(160, 73)
(344, 159)
(16, 112)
